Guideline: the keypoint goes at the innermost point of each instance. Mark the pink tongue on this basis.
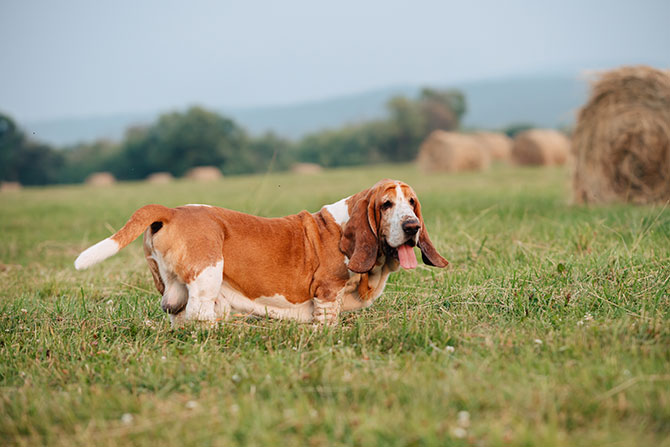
(407, 257)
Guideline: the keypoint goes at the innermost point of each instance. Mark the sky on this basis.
(78, 58)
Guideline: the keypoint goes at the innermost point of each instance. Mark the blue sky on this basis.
(78, 58)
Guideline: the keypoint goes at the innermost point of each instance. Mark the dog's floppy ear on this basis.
(429, 254)
(359, 239)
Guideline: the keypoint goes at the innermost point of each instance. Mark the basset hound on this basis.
(208, 262)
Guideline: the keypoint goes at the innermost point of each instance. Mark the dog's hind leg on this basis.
(204, 303)
(175, 294)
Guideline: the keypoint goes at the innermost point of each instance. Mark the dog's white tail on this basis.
(138, 222)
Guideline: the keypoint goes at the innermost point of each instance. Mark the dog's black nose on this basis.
(411, 226)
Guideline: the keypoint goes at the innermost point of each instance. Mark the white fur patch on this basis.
(198, 204)
(203, 292)
(339, 210)
(275, 306)
(96, 253)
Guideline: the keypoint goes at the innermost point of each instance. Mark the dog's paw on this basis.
(178, 321)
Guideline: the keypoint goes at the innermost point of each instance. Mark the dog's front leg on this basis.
(203, 295)
(178, 321)
(327, 311)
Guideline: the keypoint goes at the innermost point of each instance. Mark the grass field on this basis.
(551, 326)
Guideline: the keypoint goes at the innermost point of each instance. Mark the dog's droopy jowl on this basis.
(208, 262)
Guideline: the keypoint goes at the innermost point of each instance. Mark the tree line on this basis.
(178, 141)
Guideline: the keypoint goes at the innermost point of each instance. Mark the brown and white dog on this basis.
(208, 261)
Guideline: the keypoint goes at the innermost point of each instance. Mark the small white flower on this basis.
(450, 349)
(127, 418)
(163, 358)
(588, 316)
(538, 341)
(464, 419)
(110, 302)
(459, 432)
(149, 323)
(191, 404)
(580, 323)
(236, 378)
(25, 311)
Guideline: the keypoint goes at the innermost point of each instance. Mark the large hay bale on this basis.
(498, 145)
(452, 152)
(621, 142)
(160, 178)
(204, 173)
(306, 168)
(541, 147)
(100, 179)
(10, 186)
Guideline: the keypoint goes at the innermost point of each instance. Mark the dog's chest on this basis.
(361, 290)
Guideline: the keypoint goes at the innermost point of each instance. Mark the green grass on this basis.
(549, 328)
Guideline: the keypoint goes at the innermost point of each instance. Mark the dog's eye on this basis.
(412, 201)
(386, 205)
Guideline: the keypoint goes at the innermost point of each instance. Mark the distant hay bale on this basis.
(498, 145)
(621, 141)
(541, 147)
(204, 173)
(160, 178)
(100, 179)
(306, 168)
(452, 152)
(10, 186)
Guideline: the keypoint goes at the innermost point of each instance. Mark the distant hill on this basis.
(547, 101)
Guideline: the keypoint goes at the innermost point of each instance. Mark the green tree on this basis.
(25, 161)
(351, 145)
(268, 152)
(11, 142)
(180, 141)
(86, 158)
(443, 109)
(407, 128)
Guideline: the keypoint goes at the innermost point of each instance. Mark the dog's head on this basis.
(386, 219)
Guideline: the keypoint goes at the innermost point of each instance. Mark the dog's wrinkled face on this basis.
(399, 226)
(386, 219)
(399, 223)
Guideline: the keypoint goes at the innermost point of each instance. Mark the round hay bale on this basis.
(204, 173)
(541, 147)
(498, 145)
(10, 186)
(160, 178)
(100, 179)
(452, 152)
(306, 168)
(621, 142)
